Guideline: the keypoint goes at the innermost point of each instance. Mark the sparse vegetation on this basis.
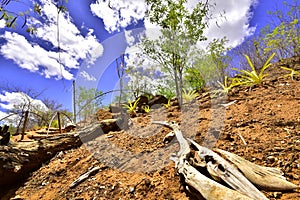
(131, 106)
(188, 96)
(167, 105)
(251, 78)
(146, 109)
(293, 73)
(227, 87)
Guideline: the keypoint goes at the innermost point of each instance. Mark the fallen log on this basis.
(264, 177)
(18, 159)
(208, 188)
(223, 169)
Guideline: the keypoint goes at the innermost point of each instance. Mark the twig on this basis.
(83, 177)
(245, 143)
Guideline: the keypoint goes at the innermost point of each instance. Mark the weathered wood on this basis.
(264, 177)
(83, 177)
(25, 124)
(17, 159)
(221, 168)
(208, 188)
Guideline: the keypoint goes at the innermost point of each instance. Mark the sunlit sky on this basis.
(92, 34)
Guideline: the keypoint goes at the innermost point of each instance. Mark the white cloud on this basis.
(11, 100)
(117, 14)
(129, 38)
(2, 23)
(71, 41)
(32, 57)
(235, 23)
(74, 46)
(87, 76)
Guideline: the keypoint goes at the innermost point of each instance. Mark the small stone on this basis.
(271, 159)
(18, 197)
(277, 194)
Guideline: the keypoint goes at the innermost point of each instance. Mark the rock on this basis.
(158, 100)
(103, 114)
(4, 135)
(115, 107)
(69, 127)
(17, 197)
(108, 125)
(143, 100)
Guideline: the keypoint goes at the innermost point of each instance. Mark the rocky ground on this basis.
(262, 125)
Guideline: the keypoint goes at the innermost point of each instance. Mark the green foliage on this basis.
(54, 123)
(131, 107)
(227, 87)
(180, 29)
(168, 105)
(293, 73)
(250, 78)
(166, 92)
(194, 79)
(146, 109)
(218, 49)
(284, 37)
(189, 95)
(88, 102)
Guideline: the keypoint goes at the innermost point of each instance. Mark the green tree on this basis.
(87, 103)
(283, 36)
(180, 29)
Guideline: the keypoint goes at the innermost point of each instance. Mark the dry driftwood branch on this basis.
(221, 168)
(83, 177)
(208, 188)
(264, 177)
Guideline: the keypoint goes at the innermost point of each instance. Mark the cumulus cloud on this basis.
(74, 47)
(234, 24)
(11, 100)
(87, 76)
(117, 14)
(32, 57)
(235, 21)
(2, 23)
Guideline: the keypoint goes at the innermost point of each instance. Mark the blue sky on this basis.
(93, 33)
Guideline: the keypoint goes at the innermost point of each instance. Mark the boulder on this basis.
(4, 135)
(157, 100)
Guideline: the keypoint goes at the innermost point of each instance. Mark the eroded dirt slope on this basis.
(266, 117)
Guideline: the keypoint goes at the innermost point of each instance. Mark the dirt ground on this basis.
(135, 164)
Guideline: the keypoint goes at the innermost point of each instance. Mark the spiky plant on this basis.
(250, 78)
(131, 106)
(293, 73)
(189, 95)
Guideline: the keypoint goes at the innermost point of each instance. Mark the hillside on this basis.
(266, 117)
